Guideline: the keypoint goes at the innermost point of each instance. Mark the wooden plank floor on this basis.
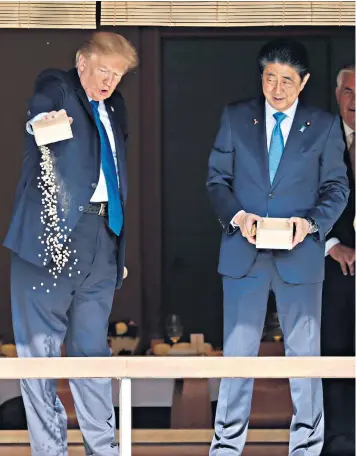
(160, 450)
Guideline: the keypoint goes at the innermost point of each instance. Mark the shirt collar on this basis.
(290, 112)
(347, 129)
(101, 102)
(90, 99)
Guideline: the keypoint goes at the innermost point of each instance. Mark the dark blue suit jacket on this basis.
(77, 163)
(344, 228)
(311, 182)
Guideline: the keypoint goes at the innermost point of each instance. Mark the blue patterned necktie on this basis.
(277, 145)
(109, 170)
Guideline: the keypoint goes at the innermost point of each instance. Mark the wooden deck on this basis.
(177, 442)
(160, 450)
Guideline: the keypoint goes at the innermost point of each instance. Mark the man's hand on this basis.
(345, 256)
(54, 114)
(302, 228)
(246, 222)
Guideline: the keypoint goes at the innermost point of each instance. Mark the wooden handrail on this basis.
(127, 368)
(178, 367)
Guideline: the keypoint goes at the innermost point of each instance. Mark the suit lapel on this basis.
(294, 143)
(114, 120)
(85, 102)
(119, 145)
(257, 134)
(347, 159)
(115, 125)
(73, 74)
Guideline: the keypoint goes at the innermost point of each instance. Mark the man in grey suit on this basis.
(72, 202)
(275, 157)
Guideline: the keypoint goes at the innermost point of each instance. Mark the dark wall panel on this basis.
(24, 53)
(199, 76)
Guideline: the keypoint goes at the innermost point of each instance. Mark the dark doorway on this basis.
(199, 76)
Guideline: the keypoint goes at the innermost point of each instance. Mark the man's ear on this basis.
(81, 63)
(305, 80)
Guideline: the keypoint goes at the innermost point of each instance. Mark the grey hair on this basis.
(77, 56)
(346, 69)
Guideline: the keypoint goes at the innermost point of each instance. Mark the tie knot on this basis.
(279, 116)
(94, 105)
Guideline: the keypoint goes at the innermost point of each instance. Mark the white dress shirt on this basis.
(101, 194)
(286, 125)
(349, 134)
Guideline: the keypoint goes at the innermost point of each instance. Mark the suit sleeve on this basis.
(48, 96)
(334, 185)
(337, 231)
(221, 175)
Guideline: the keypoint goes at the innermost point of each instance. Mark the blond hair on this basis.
(107, 43)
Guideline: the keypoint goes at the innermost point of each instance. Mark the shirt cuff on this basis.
(330, 243)
(232, 223)
(30, 122)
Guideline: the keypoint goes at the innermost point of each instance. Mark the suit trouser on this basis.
(338, 339)
(299, 309)
(76, 312)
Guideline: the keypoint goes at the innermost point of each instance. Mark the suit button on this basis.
(93, 185)
(81, 208)
(271, 196)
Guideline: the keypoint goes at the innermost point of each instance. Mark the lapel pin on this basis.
(255, 121)
(112, 108)
(304, 126)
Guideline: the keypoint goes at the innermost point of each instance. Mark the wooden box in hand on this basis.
(48, 131)
(274, 233)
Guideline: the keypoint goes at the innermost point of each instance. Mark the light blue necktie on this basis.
(109, 170)
(277, 145)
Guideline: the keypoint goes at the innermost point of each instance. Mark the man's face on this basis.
(100, 74)
(345, 95)
(281, 85)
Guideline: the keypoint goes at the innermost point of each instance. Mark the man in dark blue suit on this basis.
(338, 311)
(67, 297)
(275, 158)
